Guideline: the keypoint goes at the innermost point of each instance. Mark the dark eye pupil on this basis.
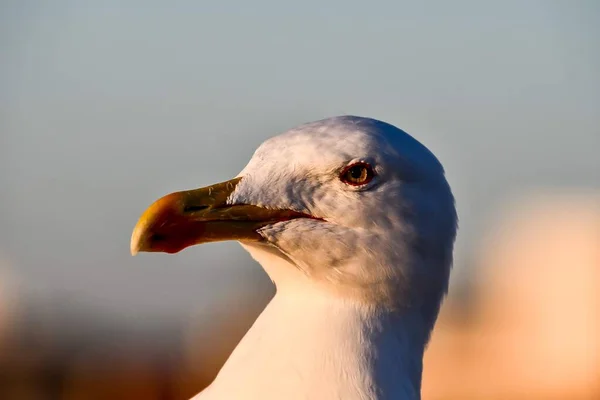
(356, 172)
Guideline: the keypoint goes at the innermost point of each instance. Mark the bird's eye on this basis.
(357, 174)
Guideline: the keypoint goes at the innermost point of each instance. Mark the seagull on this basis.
(354, 222)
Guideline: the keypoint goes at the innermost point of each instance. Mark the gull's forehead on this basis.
(329, 141)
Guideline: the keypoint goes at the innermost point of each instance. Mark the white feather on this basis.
(359, 289)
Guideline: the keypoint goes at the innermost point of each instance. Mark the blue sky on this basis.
(106, 105)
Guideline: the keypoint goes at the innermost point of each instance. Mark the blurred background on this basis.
(105, 106)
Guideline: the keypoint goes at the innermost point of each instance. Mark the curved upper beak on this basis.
(186, 218)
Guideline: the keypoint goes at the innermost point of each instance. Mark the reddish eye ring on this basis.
(357, 174)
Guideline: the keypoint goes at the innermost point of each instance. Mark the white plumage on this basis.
(360, 281)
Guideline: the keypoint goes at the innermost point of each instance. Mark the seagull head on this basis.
(349, 206)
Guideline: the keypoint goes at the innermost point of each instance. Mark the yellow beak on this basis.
(187, 218)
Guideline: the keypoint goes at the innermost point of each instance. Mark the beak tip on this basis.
(166, 227)
(136, 241)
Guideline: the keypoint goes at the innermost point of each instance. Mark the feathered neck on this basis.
(309, 343)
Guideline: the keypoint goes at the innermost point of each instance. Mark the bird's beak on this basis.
(186, 218)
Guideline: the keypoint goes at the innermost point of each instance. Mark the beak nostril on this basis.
(191, 209)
